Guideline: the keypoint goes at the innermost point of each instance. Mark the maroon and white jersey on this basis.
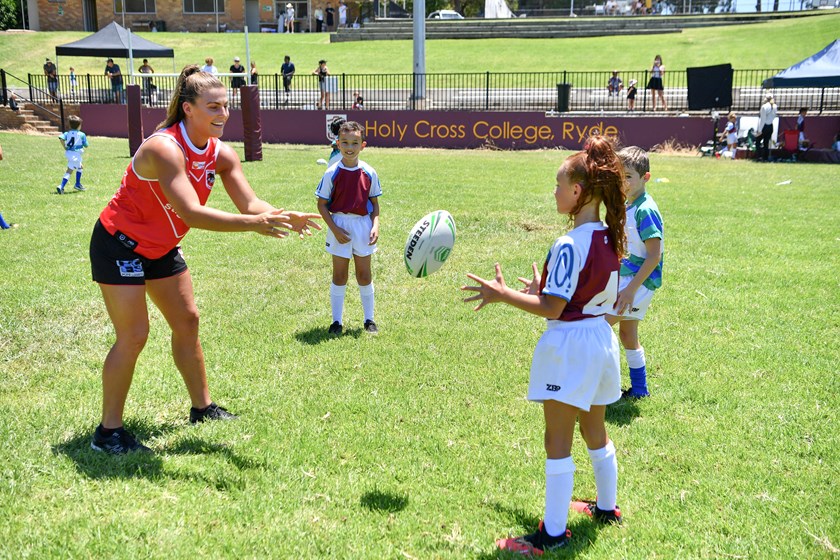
(348, 190)
(582, 268)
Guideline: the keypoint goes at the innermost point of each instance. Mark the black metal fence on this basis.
(488, 91)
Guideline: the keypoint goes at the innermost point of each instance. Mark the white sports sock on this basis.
(635, 358)
(605, 467)
(559, 482)
(366, 293)
(337, 301)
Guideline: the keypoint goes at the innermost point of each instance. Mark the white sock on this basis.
(337, 301)
(366, 293)
(605, 467)
(635, 358)
(559, 482)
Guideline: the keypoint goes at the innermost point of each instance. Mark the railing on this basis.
(487, 91)
(36, 96)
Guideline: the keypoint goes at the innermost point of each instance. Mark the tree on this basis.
(10, 15)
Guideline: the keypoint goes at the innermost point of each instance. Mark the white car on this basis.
(445, 14)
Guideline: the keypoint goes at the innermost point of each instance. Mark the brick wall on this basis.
(61, 16)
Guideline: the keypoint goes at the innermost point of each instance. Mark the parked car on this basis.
(445, 14)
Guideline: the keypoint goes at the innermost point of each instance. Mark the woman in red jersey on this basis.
(135, 248)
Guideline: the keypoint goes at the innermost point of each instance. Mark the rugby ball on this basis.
(429, 243)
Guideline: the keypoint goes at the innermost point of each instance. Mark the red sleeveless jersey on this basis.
(139, 208)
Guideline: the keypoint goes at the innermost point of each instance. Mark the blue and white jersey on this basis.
(643, 222)
(74, 140)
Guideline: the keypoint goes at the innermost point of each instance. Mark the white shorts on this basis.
(731, 139)
(577, 363)
(641, 300)
(74, 159)
(358, 228)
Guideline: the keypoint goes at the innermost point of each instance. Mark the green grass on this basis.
(419, 443)
(788, 41)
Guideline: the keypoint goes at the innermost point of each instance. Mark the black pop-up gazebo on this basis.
(115, 41)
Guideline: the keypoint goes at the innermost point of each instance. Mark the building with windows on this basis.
(169, 15)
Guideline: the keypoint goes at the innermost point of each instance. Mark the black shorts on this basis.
(287, 83)
(112, 261)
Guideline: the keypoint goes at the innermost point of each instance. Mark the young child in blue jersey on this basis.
(348, 200)
(641, 271)
(575, 368)
(74, 142)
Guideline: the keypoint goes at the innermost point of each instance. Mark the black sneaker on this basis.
(600, 515)
(632, 395)
(335, 328)
(212, 412)
(535, 543)
(118, 442)
(370, 327)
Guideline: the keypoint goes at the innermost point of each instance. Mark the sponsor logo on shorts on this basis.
(552, 388)
(131, 269)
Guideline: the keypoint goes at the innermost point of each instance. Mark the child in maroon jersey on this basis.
(575, 368)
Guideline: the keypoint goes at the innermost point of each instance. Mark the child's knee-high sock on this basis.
(366, 293)
(337, 301)
(3, 224)
(65, 179)
(79, 177)
(638, 370)
(559, 482)
(605, 467)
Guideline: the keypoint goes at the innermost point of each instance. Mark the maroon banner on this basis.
(454, 129)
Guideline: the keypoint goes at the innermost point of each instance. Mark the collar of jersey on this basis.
(189, 142)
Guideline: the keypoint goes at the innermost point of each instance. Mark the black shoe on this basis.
(535, 543)
(632, 395)
(118, 442)
(600, 515)
(370, 327)
(212, 412)
(335, 328)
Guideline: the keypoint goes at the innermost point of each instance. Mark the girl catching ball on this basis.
(575, 368)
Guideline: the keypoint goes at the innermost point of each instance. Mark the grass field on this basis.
(419, 443)
(772, 45)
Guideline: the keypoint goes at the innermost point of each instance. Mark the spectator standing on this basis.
(74, 84)
(148, 86)
(804, 143)
(319, 19)
(322, 72)
(281, 21)
(290, 18)
(288, 71)
(655, 84)
(255, 76)
(113, 72)
(766, 116)
(330, 17)
(342, 14)
(631, 95)
(51, 72)
(236, 82)
(615, 84)
(208, 66)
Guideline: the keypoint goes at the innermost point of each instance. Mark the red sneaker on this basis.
(602, 516)
(536, 543)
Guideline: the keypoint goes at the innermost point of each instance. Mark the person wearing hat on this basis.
(290, 18)
(113, 72)
(236, 82)
(322, 72)
(51, 72)
(631, 95)
(766, 116)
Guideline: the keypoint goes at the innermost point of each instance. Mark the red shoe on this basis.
(536, 543)
(602, 516)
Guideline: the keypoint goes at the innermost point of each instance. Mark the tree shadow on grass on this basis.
(389, 502)
(318, 335)
(584, 533)
(98, 465)
(622, 412)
